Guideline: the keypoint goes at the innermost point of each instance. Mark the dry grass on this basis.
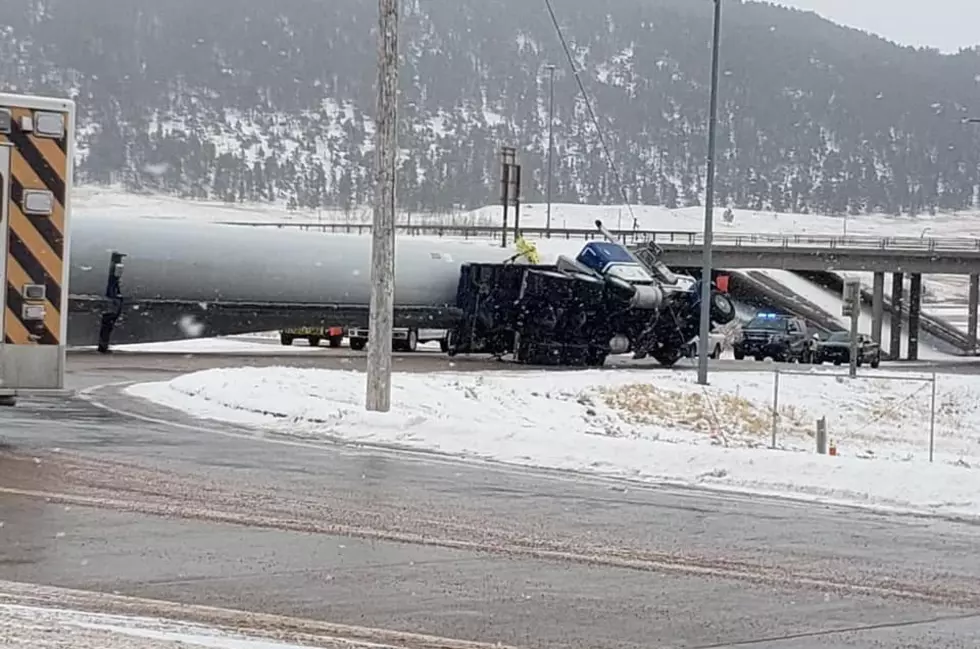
(726, 418)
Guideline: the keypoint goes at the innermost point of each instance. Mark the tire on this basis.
(837, 362)
(412, 343)
(444, 345)
(596, 358)
(722, 308)
(358, 344)
(739, 356)
(876, 362)
(759, 359)
(314, 341)
(716, 352)
(335, 341)
(667, 356)
(286, 340)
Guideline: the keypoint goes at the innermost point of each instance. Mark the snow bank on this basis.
(642, 425)
(30, 627)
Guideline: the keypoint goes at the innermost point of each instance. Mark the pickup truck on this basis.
(402, 339)
(718, 342)
(780, 337)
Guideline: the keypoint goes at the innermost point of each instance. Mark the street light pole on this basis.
(551, 139)
(709, 199)
(383, 231)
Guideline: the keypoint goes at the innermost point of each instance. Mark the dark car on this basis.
(780, 337)
(836, 349)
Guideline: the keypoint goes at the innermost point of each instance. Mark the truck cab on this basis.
(612, 260)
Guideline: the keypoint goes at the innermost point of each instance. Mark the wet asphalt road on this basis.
(166, 507)
(134, 365)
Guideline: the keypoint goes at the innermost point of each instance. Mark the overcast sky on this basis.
(944, 24)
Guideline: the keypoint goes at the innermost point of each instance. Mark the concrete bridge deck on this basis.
(948, 256)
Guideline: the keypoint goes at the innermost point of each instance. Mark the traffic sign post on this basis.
(852, 307)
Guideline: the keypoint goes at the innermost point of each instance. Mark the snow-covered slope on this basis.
(831, 302)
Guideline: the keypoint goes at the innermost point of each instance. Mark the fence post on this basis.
(775, 406)
(822, 436)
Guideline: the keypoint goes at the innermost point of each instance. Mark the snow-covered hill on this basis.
(251, 101)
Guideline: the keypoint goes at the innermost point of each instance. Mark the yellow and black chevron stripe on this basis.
(35, 244)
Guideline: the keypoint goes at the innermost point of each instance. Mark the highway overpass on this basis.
(898, 256)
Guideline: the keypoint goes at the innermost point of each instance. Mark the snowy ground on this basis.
(114, 201)
(636, 424)
(32, 627)
(235, 345)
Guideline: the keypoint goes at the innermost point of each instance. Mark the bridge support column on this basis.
(877, 306)
(895, 345)
(971, 323)
(915, 310)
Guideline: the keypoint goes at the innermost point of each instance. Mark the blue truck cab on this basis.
(612, 260)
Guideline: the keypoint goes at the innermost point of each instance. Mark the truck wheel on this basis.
(667, 356)
(716, 352)
(357, 344)
(739, 356)
(722, 308)
(413, 341)
(314, 341)
(286, 339)
(876, 362)
(335, 341)
(596, 358)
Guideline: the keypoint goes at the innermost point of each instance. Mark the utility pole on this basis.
(709, 199)
(383, 232)
(551, 139)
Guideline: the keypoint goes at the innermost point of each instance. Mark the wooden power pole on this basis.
(383, 232)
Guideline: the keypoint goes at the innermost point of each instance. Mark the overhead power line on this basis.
(592, 114)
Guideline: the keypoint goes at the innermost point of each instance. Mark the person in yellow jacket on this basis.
(525, 250)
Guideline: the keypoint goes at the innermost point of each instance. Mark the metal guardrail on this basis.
(663, 237)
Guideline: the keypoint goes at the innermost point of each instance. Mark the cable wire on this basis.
(592, 114)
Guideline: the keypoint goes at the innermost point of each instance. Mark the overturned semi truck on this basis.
(155, 279)
(607, 300)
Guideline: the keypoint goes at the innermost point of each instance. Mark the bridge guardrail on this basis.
(663, 237)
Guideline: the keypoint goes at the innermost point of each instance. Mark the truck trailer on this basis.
(185, 278)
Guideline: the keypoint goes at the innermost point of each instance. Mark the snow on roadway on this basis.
(240, 344)
(212, 346)
(641, 425)
(31, 627)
